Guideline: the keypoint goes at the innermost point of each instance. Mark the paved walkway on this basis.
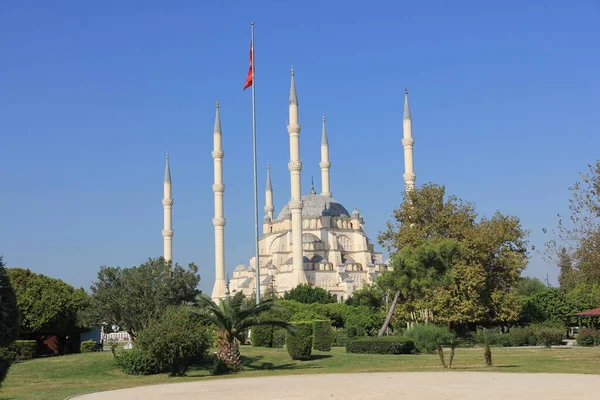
(388, 386)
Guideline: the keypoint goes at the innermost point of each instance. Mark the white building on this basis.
(336, 254)
(314, 239)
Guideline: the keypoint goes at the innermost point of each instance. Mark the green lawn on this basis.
(59, 377)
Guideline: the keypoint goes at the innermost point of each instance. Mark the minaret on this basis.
(408, 141)
(325, 164)
(269, 196)
(167, 210)
(295, 204)
(220, 288)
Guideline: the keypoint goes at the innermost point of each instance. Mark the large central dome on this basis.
(315, 205)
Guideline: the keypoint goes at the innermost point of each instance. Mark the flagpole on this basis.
(256, 263)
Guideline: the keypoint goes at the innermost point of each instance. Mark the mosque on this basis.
(313, 240)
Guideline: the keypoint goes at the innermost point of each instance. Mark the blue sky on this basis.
(504, 98)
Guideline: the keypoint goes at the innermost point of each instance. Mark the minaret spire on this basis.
(295, 204)
(167, 202)
(407, 142)
(269, 196)
(325, 164)
(220, 288)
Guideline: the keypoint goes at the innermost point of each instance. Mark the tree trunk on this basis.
(388, 319)
(441, 354)
(451, 357)
(487, 353)
(229, 352)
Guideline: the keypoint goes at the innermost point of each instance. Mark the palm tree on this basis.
(231, 319)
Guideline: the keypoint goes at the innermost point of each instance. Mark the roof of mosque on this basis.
(315, 205)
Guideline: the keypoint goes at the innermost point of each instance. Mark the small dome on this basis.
(355, 213)
(241, 267)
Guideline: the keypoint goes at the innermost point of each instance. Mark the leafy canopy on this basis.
(132, 297)
(309, 294)
(47, 306)
(451, 262)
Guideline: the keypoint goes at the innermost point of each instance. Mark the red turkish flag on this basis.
(249, 77)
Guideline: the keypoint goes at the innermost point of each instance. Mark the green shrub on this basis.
(88, 346)
(136, 362)
(262, 336)
(352, 332)
(177, 340)
(547, 336)
(299, 342)
(382, 345)
(322, 335)
(588, 338)
(219, 367)
(19, 350)
(278, 337)
(307, 315)
(340, 338)
(518, 337)
(428, 338)
(10, 323)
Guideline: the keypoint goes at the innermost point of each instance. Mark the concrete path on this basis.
(388, 386)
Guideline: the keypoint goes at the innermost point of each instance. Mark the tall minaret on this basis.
(220, 288)
(269, 196)
(408, 141)
(167, 210)
(295, 204)
(325, 164)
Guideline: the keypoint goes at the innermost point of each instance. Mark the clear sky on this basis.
(504, 98)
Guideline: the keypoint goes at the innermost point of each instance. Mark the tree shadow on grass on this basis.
(255, 364)
(482, 367)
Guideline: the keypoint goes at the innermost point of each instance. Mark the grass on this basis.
(59, 377)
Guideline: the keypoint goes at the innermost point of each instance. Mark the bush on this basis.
(262, 336)
(428, 338)
(299, 342)
(10, 323)
(307, 315)
(177, 340)
(136, 362)
(382, 345)
(340, 338)
(547, 336)
(278, 337)
(322, 335)
(219, 367)
(19, 350)
(518, 337)
(88, 346)
(588, 338)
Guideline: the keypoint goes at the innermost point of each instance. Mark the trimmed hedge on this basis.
(278, 337)
(340, 338)
(19, 350)
(588, 338)
(299, 343)
(382, 345)
(262, 336)
(89, 346)
(322, 335)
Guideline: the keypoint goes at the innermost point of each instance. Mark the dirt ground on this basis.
(394, 385)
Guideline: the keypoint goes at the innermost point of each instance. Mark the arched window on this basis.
(345, 243)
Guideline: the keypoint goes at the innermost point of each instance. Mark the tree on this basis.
(369, 295)
(132, 297)
(528, 287)
(479, 284)
(308, 294)
(550, 305)
(415, 272)
(576, 244)
(230, 320)
(47, 306)
(9, 312)
(9, 318)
